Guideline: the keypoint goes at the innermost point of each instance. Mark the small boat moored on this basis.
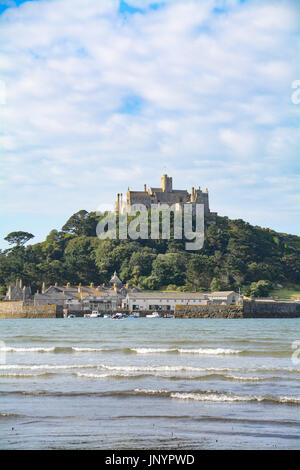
(118, 316)
(153, 315)
(95, 314)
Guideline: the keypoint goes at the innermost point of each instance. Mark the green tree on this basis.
(215, 285)
(260, 288)
(82, 223)
(170, 268)
(18, 238)
(80, 264)
(200, 272)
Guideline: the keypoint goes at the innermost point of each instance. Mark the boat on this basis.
(168, 315)
(153, 315)
(107, 315)
(118, 316)
(95, 314)
(71, 316)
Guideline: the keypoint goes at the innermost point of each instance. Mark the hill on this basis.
(235, 255)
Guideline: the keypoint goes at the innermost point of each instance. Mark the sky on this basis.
(102, 95)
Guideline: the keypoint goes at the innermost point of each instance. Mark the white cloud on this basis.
(212, 92)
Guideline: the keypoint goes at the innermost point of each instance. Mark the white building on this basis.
(155, 300)
(161, 300)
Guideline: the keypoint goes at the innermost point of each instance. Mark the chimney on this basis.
(68, 285)
(9, 293)
(145, 187)
(193, 195)
(43, 288)
(56, 285)
(21, 284)
(115, 288)
(92, 285)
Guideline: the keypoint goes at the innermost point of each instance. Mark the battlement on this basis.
(163, 195)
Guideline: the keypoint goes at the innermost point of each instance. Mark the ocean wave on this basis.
(20, 375)
(217, 376)
(153, 350)
(47, 366)
(204, 376)
(204, 351)
(212, 396)
(110, 375)
(90, 349)
(145, 350)
(11, 415)
(146, 368)
(63, 349)
(53, 349)
(246, 378)
(25, 350)
(202, 395)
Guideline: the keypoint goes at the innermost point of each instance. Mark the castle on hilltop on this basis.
(163, 195)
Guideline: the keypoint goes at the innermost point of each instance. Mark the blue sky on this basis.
(100, 97)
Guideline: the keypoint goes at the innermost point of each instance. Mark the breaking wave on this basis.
(25, 350)
(219, 396)
(111, 375)
(144, 350)
(204, 351)
(145, 368)
(16, 375)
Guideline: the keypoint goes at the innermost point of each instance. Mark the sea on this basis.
(146, 383)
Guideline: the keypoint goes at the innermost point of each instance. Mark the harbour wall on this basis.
(276, 309)
(249, 309)
(20, 309)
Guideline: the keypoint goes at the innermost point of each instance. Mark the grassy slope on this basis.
(291, 291)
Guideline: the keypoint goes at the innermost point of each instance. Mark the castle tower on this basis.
(166, 184)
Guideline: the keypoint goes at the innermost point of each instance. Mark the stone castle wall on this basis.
(163, 195)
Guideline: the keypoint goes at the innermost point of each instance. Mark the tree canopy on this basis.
(235, 255)
(18, 238)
